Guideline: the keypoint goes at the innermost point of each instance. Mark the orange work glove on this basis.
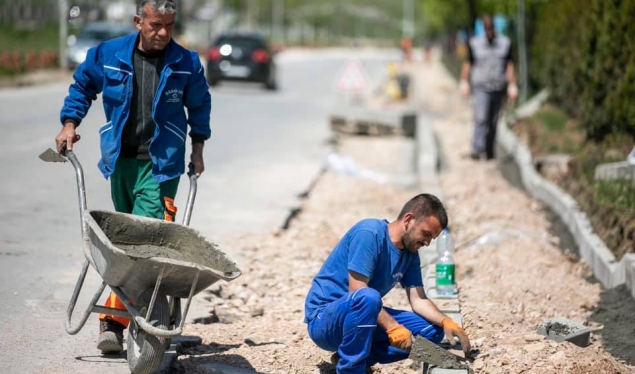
(400, 337)
(452, 329)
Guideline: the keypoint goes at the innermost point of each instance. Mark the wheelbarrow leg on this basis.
(187, 305)
(71, 306)
(175, 311)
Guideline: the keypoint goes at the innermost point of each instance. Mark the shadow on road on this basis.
(212, 355)
(113, 359)
(326, 368)
(616, 313)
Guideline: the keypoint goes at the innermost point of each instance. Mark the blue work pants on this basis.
(349, 326)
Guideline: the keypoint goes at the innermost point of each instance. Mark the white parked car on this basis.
(92, 34)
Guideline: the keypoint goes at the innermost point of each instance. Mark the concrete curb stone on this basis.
(629, 270)
(368, 120)
(172, 353)
(606, 268)
(427, 155)
(187, 341)
(615, 170)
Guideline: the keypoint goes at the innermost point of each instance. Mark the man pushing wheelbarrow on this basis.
(146, 80)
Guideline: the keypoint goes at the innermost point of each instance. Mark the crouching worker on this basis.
(343, 308)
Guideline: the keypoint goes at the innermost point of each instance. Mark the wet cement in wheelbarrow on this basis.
(150, 238)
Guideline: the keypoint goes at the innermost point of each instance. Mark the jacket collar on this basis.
(172, 53)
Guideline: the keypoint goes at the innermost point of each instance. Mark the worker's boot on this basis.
(110, 337)
(335, 358)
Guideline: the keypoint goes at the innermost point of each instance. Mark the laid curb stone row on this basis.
(610, 272)
(428, 156)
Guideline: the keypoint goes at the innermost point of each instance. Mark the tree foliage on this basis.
(583, 52)
(442, 15)
(586, 57)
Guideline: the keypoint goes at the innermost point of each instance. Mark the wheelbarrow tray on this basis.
(130, 252)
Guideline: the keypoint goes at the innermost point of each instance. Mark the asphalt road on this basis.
(266, 149)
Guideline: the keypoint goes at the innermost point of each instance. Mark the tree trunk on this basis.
(471, 5)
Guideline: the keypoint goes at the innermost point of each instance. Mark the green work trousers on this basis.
(135, 191)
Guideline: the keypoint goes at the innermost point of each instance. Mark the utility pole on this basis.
(277, 20)
(255, 5)
(522, 52)
(471, 6)
(407, 20)
(63, 14)
(247, 11)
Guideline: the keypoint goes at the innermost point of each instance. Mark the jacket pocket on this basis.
(108, 146)
(114, 83)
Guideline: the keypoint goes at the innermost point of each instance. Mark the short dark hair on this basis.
(162, 6)
(425, 205)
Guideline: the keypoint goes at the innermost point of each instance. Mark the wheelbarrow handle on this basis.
(81, 188)
(191, 196)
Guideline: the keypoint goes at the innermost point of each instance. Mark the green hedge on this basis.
(585, 55)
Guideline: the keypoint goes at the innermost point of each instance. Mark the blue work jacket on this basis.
(108, 70)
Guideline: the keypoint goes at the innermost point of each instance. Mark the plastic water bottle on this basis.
(446, 284)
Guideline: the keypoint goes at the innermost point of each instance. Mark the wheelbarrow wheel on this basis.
(145, 351)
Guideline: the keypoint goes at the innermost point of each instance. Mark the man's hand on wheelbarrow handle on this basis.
(65, 139)
(65, 148)
(190, 170)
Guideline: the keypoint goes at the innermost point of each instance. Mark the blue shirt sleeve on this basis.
(89, 78)
(198, 102)
(412, 275)
(362, 253)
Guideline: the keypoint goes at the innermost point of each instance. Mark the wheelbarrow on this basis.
(150, 265)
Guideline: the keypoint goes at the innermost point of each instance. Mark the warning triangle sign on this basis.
(353, 78)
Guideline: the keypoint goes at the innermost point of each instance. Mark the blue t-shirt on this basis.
(365, 249)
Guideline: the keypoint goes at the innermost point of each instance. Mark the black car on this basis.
(241, 56)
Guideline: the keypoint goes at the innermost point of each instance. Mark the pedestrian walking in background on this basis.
(488, 73)
(405, 44)
(147, 81)
(343, 308)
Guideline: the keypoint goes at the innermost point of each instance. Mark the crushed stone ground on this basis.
(511, 273)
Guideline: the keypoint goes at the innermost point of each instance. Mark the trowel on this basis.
(426, 353)
(50, 155)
